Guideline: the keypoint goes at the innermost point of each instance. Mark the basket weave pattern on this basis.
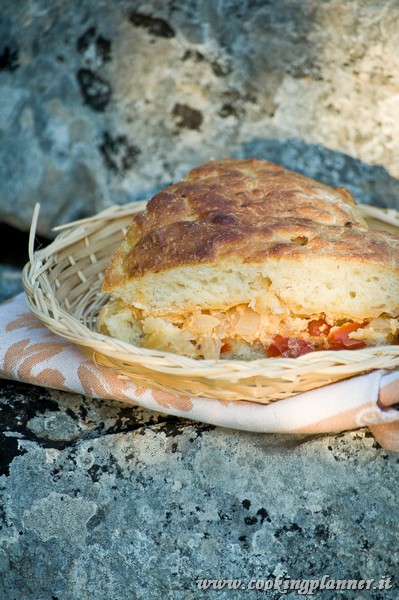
(63, 289)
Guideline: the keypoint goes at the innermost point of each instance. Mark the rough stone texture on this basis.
(103, 102)
(103, 501)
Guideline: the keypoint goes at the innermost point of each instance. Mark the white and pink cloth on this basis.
(29, 352)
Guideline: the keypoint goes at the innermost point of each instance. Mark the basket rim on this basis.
(42, 302)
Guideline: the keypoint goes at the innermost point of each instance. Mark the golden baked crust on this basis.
(250, 242)
(249, 209)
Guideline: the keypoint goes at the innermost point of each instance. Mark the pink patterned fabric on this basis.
(29, 352)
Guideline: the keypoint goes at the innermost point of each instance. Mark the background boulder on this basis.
(104, 103)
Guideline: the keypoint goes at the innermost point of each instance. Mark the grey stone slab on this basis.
(103, 501)
(106, 102)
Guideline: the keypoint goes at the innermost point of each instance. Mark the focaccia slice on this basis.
(247, 259)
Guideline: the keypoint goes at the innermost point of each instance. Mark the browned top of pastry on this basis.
(247, 210)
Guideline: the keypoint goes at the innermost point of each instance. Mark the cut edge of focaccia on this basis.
(245, 259)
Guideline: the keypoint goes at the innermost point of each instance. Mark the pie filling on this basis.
(242, 332)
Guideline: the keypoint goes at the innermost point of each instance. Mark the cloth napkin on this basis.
(30, 353)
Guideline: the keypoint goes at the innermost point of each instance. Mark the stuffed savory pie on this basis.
(246, 259)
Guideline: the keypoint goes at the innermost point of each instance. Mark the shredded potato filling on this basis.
(241, 331)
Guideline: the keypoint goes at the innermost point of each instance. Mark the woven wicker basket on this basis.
(63, 289)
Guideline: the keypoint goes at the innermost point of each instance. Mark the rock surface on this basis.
(103, 103)
(104, 501)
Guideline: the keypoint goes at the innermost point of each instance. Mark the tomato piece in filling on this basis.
(226, 347)
(318, 327)
(288, 347)
(338, 339)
